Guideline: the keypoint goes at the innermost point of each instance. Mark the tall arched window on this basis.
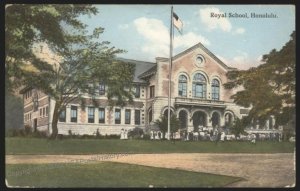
(182, 86)
(199, 86)
(215, 90)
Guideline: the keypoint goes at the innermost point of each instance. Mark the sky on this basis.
(144, 30)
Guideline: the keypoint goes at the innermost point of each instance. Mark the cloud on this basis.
(123, 26)
(157, 37)
(189, 39)
(213, 22)
(241, 61)
(222, 23)
(239, 31)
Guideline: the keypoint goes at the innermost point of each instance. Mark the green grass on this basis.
(109, 174)
(97, 146)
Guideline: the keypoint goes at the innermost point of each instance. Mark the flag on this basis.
(177, 23)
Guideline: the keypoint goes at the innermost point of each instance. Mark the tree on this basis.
(238, 126)
(13, 105)
(268, 89)
(162, 123)
(25, 26)
(82, 62)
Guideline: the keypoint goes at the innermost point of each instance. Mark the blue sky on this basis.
(143, 30)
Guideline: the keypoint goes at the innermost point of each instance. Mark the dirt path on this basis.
(258, 170)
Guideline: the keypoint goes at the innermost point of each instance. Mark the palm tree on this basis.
(162, 123)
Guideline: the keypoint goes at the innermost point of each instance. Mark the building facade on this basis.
(198, 98)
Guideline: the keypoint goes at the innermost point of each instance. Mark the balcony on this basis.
(199, 102)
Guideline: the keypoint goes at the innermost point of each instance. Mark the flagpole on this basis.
(170, 71)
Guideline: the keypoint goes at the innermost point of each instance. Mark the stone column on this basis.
(257, 124)
(68, 113)
(122, 116)
(96, 115)
(190, 126)
(273, 121)
(222, 120)
(132, 116)
(208, 119)
(267, 125)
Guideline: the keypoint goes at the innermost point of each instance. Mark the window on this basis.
(74, 114)
(152, 92)
(137, 92)
(127, 116)
(30, 116)
(182, 86)
(117, 116)
(62, 115)
(101, 115)
(215, 90)
(150, 116)
(35, 101)
(41, 112)
(199, 86)
(101, 88)
(27, 94)
(199, 60)
(44, 111)
(47, 111)
(137, 117)
(91, 115)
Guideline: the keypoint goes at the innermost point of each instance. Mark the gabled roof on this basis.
(199, 45)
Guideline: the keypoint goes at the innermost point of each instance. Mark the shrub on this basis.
(146, 137)
(113, 136)
(98, 135)
(40, 134)
(11, 132)
(135, 133)
(27, 129)
(86, 136)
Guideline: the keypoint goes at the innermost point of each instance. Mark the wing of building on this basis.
(198, 98)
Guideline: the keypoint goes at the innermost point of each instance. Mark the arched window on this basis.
(228, 118)
(215, 119)
(199, 86)
(215, 90)
(182, 86)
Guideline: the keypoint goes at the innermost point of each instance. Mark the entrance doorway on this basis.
(215, 119)
(199, 119)
(183, 119)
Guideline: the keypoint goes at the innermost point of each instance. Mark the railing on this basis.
(195, 101)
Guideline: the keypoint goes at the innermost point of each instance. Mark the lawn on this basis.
(109, 174)
(98, 146)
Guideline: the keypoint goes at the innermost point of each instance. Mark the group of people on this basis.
(124, 134)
